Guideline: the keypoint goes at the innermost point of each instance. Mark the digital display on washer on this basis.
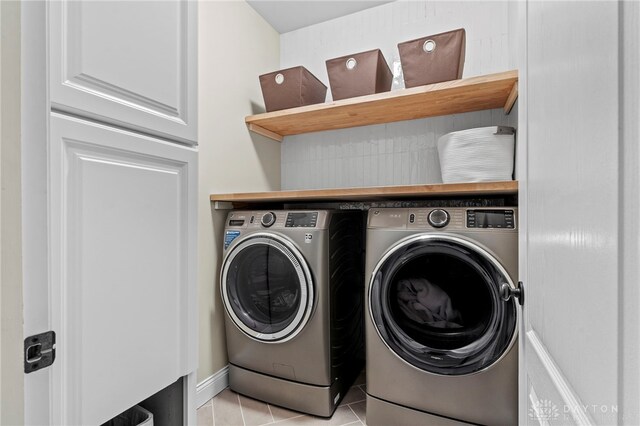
(490, 219)
(301, 220)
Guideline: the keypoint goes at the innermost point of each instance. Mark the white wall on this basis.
(396, 153)
(11, 375)
(235, 45)
(400, 153)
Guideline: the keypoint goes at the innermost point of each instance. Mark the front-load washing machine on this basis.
(441, 340)
(292, 285)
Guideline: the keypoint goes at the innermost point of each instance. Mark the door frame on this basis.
(11, 360)
(521, 167)
(35, 139)
(629, 232)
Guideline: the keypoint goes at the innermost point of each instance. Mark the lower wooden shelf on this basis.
(375, 193)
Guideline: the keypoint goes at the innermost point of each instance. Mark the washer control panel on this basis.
(278, 219)
(301, 220)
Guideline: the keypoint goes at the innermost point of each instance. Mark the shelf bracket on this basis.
(511, 99)
(264, 132)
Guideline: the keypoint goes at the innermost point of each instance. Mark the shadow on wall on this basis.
(218, 218)
(265, 149)
(257, 108)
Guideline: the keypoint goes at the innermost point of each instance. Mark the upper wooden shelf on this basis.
(452, 97)
(373, 193)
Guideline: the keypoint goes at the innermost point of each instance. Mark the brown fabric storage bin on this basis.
(291, 88)
(433, 59)
(369, 74)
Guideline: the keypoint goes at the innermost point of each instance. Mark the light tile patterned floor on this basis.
(231, 409)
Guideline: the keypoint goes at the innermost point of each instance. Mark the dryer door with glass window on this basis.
(435, 302)
(267, 288)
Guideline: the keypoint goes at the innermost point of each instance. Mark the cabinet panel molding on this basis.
(127, 63)
(122, 214)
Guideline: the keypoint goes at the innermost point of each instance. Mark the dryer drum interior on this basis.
(267, 289)
(435, 302)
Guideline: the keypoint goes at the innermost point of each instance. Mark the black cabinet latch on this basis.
(39, 351)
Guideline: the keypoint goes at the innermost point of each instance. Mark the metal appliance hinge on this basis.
(39, 351)
(507, 292)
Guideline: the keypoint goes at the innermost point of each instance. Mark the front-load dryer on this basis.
(292, 285)
(441, 341)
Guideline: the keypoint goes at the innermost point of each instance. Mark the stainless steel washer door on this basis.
(435, 301)
(267, 288)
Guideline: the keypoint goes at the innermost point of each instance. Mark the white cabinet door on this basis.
(129, 63)
(571, 200)
(122, 268)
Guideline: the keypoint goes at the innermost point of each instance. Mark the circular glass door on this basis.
(267, 288)
(435, 302)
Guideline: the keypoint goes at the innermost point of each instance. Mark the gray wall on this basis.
(397, 153)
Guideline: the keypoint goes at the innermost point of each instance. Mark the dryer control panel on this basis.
(490, 218)
(445, 218)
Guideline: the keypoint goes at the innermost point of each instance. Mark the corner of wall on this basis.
(231, 159)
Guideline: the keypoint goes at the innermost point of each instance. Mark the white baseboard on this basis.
(211, 386)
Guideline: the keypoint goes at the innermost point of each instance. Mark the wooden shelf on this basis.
(452, 97)
(373, 193)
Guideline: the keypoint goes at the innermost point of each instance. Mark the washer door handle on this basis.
(507, 292)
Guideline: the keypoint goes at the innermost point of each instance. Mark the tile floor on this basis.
(231, 409)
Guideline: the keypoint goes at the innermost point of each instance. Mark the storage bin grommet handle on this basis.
(351, 63)
(429, 46)
(279, 78)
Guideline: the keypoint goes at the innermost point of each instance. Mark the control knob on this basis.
(438, 218)
(268, 219)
